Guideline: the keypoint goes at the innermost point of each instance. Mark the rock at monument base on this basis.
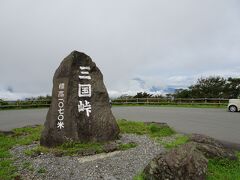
(110, 147)
(183, 163)
(199, 138)
(188, 161)
(80, 109)
(211, 148)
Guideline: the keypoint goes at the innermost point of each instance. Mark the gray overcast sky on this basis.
(136, 43)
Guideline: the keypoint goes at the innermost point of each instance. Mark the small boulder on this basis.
(6, 133)
(183, 163)
(199, 138)
(110, 147)
(158, 124)
(87, 152)
(211, 147)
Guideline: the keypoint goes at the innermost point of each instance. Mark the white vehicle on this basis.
(234, 105)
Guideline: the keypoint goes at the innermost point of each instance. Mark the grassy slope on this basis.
(21, 136)
(140, 128)
(224, 169)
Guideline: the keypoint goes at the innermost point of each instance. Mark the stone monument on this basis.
(80, 109)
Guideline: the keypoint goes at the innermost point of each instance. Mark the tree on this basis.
(232, 88)
(143, 95)
(210, 87)
(2, 102)
(183, 93)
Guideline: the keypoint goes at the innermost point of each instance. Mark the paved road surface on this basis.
(217, 123)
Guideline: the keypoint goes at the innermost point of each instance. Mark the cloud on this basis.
(137, 44)
(140, 81)
(7, 93)
(12, 96)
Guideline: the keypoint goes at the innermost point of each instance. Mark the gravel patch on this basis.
(107, 166)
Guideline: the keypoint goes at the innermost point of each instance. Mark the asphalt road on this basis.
(217, 123)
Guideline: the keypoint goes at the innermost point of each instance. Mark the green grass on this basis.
(41, 170)
(27, 165)
(224, 169)
(177, 142)
(67, 149)
(7, 170)
(127, 146)
(21, 136)
(132, 127)
(160, 131)
(74, 149)
(27, 135)
(140, 128)
(139, 176)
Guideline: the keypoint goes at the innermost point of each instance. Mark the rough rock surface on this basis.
(212, 148)
(110, 147)
(199, 138)
(81, 123)
(183, 163)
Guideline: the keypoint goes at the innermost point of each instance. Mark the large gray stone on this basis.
(183, 163)
(212, 148)
(80, 125)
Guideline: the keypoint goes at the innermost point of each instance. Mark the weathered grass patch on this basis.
(132, 127)
(139, 176)
(176, 142)
(67, 149)
(74, 149)
(21, 136)
(7, 170)
(160, 131)
(127, 146)
(41, 170)
(224, 169)
(140, 128)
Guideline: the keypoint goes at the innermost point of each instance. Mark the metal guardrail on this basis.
(150, 101)
(199, 101)
(25, 104)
